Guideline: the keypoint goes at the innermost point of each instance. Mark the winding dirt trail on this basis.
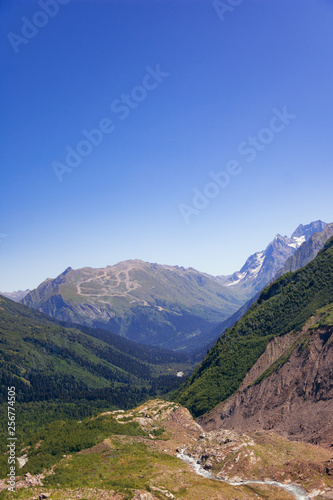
(121, 277)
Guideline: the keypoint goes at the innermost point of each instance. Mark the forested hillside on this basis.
(46, 360)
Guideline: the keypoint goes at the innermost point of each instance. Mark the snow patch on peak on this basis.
(251, 270)
(260, 257)
(297, 242)
(239, 276)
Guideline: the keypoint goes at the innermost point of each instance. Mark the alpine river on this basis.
(294, 489)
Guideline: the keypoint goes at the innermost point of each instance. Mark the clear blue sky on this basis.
(220, 78)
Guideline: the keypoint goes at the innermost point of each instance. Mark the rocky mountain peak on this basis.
(261, 267)
(309, 229)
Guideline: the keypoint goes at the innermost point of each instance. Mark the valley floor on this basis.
(146, 467)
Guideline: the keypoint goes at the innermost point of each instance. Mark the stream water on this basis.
(294, 489)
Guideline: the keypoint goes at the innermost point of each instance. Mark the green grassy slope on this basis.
(282, 307)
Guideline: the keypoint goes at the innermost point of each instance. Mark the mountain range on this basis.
(261, 267)
(166, 306)
(16, 296)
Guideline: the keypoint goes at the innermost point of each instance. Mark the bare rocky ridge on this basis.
(307, 251)
(296, 400)
(262, 267)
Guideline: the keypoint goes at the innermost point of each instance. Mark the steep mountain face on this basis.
(282, 308)
(45, 360)
(16, 296)
(262, 267)
(288, 390)
(159, 305)
(307, 251)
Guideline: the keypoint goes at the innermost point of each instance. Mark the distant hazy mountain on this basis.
(16, 296)
(262, 267)
(168, 306)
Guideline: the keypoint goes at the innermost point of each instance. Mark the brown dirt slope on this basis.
(295, 399)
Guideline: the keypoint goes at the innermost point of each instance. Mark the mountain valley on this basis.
(262, 396)
(166, 250)
(159, 305)
(46, 361)
(166, 306)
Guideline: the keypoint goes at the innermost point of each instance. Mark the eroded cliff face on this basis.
(295, 400)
